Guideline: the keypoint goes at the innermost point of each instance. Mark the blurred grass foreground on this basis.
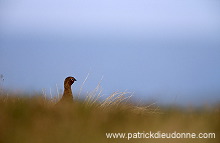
(35, 119)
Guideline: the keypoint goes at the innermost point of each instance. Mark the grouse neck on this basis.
(67, 91)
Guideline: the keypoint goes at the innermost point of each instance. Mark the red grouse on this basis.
(67, 94)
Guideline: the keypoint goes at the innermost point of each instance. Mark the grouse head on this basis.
(69, 81)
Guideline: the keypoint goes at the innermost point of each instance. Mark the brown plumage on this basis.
(67, 94)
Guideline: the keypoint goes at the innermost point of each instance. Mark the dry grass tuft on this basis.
(97, 99)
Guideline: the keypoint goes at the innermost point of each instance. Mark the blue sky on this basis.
(163, 50)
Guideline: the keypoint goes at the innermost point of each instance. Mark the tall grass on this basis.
(36, 119)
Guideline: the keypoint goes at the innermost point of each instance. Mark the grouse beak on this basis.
(73, 80)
